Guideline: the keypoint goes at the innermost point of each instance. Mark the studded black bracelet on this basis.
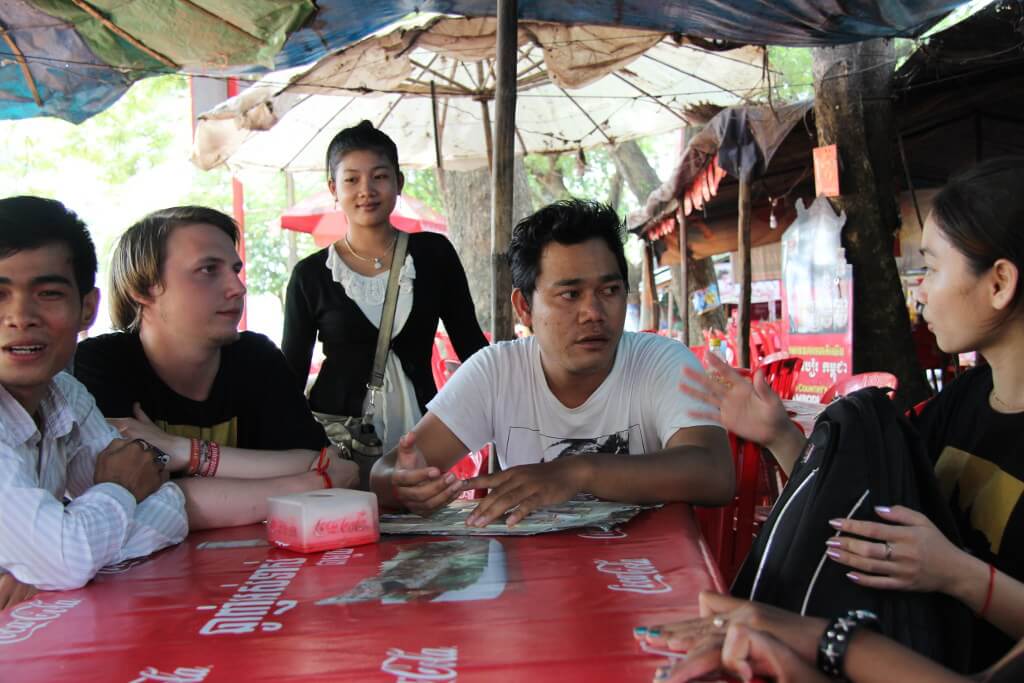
(836, 638)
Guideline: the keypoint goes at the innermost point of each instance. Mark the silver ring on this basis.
(160, 458)
(719, 622)
(888, 551)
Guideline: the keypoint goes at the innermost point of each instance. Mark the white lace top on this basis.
(399, 412)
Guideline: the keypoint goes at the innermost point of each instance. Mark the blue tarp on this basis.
(795, 23)
(75, 87)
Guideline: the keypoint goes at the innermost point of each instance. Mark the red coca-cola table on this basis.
(223, 606)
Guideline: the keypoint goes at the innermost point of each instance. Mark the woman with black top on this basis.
(338, 293)
(748, 639)
(973, 299)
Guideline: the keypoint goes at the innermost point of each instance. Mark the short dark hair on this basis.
(570, 221)
(981, 212)
(31, 222)
(138, 261)
(361, 137)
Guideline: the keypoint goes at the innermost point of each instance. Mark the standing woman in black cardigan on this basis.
(338, 292)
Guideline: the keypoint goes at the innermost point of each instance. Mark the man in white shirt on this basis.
(579, 387)
(54, 440)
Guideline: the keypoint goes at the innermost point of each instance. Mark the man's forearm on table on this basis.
(681, 473)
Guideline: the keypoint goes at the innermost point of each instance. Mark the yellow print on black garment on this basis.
(224, 433)
(986, 492)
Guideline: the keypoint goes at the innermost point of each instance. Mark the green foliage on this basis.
(796, 81)
(133, 159)
(422, 185)
(584, 174)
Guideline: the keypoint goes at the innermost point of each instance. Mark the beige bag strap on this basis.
(387, 323)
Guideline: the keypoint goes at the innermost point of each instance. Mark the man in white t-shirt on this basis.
(578, 407)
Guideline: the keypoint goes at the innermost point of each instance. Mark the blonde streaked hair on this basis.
(138, 261)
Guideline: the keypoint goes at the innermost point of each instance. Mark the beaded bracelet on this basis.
(836, 638)
(214, 450)
(204, 458)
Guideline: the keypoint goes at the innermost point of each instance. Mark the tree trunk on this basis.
(615, 191)
(551, 182)
(642, 180)
(634, 167)
(467, 199)
(649, 309)
(853, 109)
(701, 274)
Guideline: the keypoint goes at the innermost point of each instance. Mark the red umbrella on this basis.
(320, 216)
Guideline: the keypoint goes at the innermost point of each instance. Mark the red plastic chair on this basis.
(758, 346)
(440, 366)
(781, 371)
(730, 529)
(859, 381)
(472, 465)
(700, 352)
(443, 362)
(769, 338)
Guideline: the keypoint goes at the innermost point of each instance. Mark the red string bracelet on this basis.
(322, 463)
(193, 458)
(991, 585)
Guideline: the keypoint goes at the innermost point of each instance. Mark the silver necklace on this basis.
(1004, 404)
(376, 260)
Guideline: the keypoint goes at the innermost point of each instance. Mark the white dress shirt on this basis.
(58, 547)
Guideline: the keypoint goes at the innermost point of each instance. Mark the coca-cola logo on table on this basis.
(634, 575)
(28, 618)
(183, 674)
(429, 664)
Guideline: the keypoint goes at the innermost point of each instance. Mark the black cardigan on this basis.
(316, 303)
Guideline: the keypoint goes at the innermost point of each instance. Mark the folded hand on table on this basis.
(526, 488)
(13, 591)
(745, 652)
(419, 487)
(141, 427)
(706, 633)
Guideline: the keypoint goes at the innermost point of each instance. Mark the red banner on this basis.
(817, 299)
(225, 606)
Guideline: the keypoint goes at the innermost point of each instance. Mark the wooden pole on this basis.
(22, 64)
(742, 275)
(485, 117)
(438, 158)
(502, 319)
(671, 312)
(289, 195)
(649, 300)
(238, 211)
(683, 286)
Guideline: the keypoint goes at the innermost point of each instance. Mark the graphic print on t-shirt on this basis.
(527, 440)
(981, 490)
(224, 433)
